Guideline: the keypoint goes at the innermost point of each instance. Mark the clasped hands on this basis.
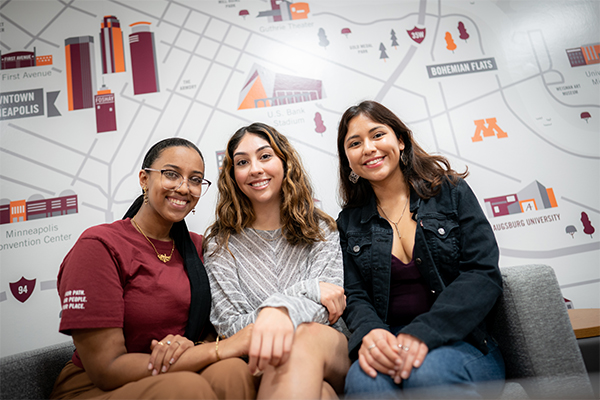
(166, 352)
(391, 355)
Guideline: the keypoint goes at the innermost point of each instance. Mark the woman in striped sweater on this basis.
(274, 261)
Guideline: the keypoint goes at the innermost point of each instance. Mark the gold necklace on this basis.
(392, 222)
(267, 239)
(162, 257)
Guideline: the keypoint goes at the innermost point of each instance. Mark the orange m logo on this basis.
(492, 129)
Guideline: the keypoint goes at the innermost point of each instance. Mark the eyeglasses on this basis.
(172, 180)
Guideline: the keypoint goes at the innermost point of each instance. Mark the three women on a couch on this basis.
(420, 265)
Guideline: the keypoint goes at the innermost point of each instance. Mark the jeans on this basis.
(458, 370)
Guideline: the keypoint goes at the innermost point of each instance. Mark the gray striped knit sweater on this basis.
(269, 272)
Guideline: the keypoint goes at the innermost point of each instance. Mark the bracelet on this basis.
(217, 349)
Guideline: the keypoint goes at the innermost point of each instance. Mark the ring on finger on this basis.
(405, 348)
(371, 347)
(178, 342)
(161, 343)
(168, 342)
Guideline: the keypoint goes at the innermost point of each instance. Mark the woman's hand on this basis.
(379, 352)
(167, 352)
(412, 353)
(333, 298)
(272, 338)
(237, 345)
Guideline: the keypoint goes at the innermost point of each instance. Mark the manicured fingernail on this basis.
(154, 372)
(397, 380)
(404, 375)
(391, 373)
(164, 368)
(417, 363)
(172, 361)
(149, 366)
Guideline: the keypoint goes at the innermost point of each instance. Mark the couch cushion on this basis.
(534, 332)
(31, 375)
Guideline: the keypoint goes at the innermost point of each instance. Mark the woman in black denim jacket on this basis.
(419, 284)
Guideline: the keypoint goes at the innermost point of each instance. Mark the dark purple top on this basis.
(409, 294)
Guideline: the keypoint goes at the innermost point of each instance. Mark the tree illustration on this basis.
(450, 45)
(587, 225)
(463, 31)
(383, 53)
(393, 38)
(323, 41)
(319, 125)
(346, 32)
(570, 229)
(585, 116)
(243, 13)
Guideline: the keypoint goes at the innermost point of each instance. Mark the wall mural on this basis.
(509, 89)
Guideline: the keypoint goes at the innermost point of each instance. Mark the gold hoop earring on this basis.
(145, 189)
(353, 177)
(403, 158)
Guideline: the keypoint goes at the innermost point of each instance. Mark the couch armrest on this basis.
(31, 375)
(534, 332)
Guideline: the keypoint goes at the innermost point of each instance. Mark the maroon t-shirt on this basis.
(409, 293)
(112, 278)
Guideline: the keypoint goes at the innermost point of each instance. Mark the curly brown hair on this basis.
(299, 216)
(423, 172)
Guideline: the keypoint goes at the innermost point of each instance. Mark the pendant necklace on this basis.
(399, 219)
(162, 257)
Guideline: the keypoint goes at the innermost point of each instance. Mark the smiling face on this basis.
(171, 206)
(372, 149)
(258, 171)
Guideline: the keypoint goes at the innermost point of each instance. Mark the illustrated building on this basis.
(283, 10)
(106, 117)
(585, 55)
(23, 59)
(22, 210)
(265, 88)
(18, 59)
(111, 45)
(143, 59)
(81, 72)
(533, 197)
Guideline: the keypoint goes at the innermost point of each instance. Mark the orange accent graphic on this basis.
(69, 77)
(492, 129)
(526, 205)
(299, 10)
(119, 53)
(551, 197)
(141, 23)
(450, 45)
(18, 211)
(257, 91)
(43, 60)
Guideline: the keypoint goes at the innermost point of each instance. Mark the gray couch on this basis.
(531, 325)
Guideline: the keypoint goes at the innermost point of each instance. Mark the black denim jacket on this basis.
(455, 251)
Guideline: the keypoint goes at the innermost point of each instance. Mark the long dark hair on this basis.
(200, 288)
(299, 216)
(423, 172)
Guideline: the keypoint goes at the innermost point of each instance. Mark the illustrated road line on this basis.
(554, 253)
(580, 204)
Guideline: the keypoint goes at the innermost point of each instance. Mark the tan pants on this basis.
(226, 379)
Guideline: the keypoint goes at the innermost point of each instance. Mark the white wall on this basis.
(205, 53)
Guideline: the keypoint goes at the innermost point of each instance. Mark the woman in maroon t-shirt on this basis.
(135, 297)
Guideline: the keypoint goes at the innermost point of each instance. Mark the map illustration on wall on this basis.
(508, 89)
